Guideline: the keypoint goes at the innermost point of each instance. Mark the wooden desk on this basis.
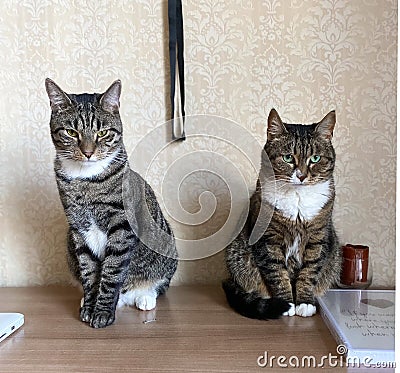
(195, 331)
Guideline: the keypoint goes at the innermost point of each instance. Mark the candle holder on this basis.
(356, 267)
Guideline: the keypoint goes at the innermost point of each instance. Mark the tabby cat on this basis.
(119, 255)
(297, 256)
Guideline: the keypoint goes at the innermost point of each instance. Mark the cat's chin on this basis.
(89, 162)
(298, 184)
(305, 184)
(84, 169)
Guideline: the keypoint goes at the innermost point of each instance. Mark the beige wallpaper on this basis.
(243, 57)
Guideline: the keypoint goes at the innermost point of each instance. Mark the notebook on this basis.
(9, 323)
(362, 322)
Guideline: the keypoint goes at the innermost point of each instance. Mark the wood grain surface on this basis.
(194, 331)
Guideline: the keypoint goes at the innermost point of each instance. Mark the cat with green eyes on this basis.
(120, 246)
(296, 256)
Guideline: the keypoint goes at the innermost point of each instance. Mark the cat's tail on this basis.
(251, 304)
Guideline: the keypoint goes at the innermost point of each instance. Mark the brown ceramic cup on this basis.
(354, 264)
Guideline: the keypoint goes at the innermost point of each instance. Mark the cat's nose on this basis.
(301, 176)
(88, 154)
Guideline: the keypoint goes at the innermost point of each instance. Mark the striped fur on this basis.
(104, 251)
(297, 257)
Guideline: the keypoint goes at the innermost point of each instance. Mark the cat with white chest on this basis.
(297, 257)
(121, 253)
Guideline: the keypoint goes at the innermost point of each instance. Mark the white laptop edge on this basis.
(9, 323)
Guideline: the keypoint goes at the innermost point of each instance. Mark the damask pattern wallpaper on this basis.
(243, 57)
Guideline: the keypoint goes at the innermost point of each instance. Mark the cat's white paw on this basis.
(82, 301)
(305, 310)
(145, 302)
(291, 311)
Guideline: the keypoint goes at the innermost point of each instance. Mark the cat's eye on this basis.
(102, 133)
(71, 133)
(288, 158)
(315, 158)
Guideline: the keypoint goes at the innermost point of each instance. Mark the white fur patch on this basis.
(146, 302)
(143, 299)
(291, 311)
(298, 200)
(305, 310)
(86, 170)
(96, 239)
(293, 250)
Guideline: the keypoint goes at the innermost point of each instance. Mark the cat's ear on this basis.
(275, 125)
(110, 99)
(326, 126)
(59, 100)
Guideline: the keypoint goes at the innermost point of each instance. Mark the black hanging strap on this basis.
(175, 21)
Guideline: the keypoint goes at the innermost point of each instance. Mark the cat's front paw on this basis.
(101, 319)
(85, 313)
(291, 311)
(305, 310)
